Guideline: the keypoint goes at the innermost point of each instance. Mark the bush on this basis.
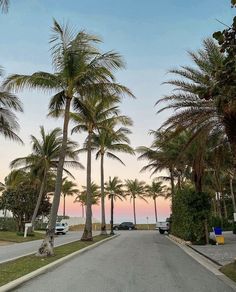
(7, 224)
(190, 210)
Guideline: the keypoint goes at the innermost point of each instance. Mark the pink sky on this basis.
(123, 211)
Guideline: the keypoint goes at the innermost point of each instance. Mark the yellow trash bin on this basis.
(220, 239)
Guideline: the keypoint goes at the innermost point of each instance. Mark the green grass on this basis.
(24, 265)
(13, 237)
(230, 271)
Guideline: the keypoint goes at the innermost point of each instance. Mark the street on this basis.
(11, 251)
(136, 261)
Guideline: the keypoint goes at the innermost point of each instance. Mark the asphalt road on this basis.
(11, 251)
(136, 261)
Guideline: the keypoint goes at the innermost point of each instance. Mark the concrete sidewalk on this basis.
(222, 254)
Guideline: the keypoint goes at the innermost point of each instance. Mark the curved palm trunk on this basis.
(155, 206)
(64, 205)
(112, 214)
(46, 248)
(103, 225)
(87, 234)
(134, 209)
(36, 209)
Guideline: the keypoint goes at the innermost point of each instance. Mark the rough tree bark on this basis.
(87, 234)
(46, 248)
(103, 215)
(155, 206)
(134, 209)
(41, 191)
(112, 213)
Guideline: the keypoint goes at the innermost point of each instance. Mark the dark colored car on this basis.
(125, 226)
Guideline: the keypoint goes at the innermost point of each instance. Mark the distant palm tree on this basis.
(8, 121)
(80, 69)
(154, 191)
(82, 196)
(108, 141)
(68, 189)
(114, 190)
(45, 158)
(92, 114)
(135, 189)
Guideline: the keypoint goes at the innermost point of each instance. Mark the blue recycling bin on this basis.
(218, 230)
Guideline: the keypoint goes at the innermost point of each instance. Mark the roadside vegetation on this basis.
(195, 147)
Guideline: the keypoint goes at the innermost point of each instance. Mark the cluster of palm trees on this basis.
(115, 189)
(84, 91)
(196, 144)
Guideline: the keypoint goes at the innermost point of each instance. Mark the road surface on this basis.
(136, 261)
(11, 251)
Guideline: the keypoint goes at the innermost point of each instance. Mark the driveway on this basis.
(136, 261)
(19, 249)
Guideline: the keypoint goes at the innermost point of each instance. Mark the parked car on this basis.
(61, 228)
(125, 226)
(163, 226)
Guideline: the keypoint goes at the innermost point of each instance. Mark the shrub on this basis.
(190, 210)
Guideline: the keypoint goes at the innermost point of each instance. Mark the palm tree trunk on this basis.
(41, 191)
(232, 194)
(64, 205)
(103, 225)
(46, 248)
(134, 210)
(155, 206)
(87, 234)
(112, 214)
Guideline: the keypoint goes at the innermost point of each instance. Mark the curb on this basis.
(201, 253)
(189, 244)
(210, 266)
(17, 282)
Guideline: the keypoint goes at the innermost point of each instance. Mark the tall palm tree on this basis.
(8, 121)
(80, 69)
(68, 189)
(114, 191)
(135, 189)
(108, 141)
(92, 114)
(154, 191)
(45, 158)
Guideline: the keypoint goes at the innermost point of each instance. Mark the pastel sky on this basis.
(152, 35)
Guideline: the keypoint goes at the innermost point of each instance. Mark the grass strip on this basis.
(14, 269)
(14, 237)
(230, 271)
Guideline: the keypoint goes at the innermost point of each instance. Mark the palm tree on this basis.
(106, 143)
(154, 191)
(82, 196)
(93, 113)
(80, 69)
(135, 189)
(68, 189)
(114, 191)
(199, 103)
(8, 121)
(44, 159)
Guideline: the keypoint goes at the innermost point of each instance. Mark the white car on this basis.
(61, 228)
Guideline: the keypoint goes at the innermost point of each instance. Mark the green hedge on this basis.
(7, 224)
(189, 212)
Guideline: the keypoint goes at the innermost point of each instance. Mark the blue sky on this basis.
(152, 35)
